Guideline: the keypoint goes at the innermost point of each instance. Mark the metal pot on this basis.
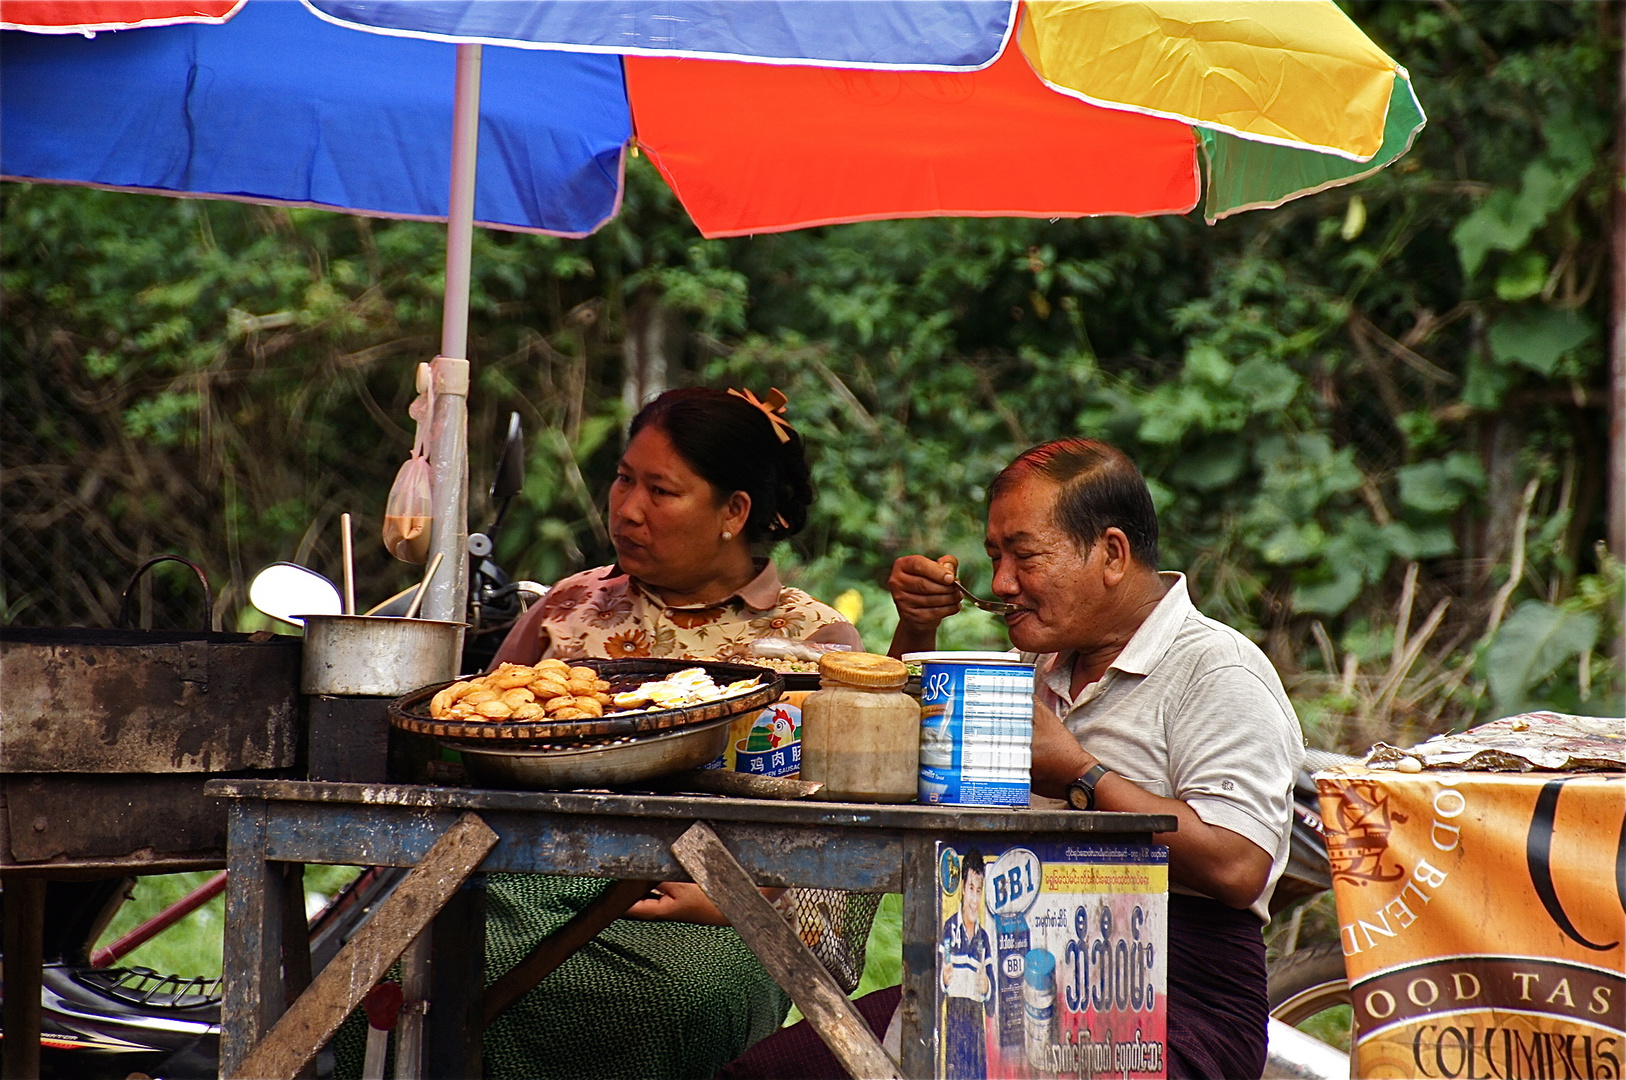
(621, 761)
(372, 656)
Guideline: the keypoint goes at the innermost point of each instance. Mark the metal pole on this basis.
(1616, 500)
(448, 446)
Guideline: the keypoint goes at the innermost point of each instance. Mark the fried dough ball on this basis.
(548, 688)
(583, 673)
(581, 687)
(517, 696)
(480, 697)
(494, 710)
(510, 676)
(550, 665)
(529, 711)
(590, 706)
(600, 685)
(570, 714)
(555, 706)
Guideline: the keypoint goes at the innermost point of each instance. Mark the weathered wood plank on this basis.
(975, 819)
(23, 941)
(789, 961)
(317, 1014)
(252, 953)
(457, 970)
(557, 947)
(919, 1050)
(598, 846)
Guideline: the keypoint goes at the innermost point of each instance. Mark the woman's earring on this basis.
(727, 535)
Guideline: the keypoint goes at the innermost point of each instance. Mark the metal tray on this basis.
(593, 764)
(411, 713)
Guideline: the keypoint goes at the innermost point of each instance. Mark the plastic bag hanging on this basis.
(410, 511)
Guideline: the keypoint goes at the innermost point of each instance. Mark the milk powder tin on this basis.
(976, 728)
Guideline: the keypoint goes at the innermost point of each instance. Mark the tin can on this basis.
(976, 728)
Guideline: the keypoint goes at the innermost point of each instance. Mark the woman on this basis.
(706, 474)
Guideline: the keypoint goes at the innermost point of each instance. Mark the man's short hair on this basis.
(972, 864)
(1100, 489)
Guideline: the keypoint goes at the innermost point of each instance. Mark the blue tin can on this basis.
(976, 733)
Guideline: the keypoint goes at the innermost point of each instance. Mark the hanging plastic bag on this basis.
(409, 512)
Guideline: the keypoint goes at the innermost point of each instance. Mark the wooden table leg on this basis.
(457, 970)
(252, 956)
(786, 958)
(24, 944)
(919, 1052)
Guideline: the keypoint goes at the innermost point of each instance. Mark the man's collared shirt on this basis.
(1190, 710)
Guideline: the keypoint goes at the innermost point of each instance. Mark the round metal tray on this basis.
(593, 763)
(411, 713)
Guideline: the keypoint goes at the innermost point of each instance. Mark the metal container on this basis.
(620, 761)
(372, 656)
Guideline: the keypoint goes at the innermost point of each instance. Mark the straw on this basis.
(417, 597)
(349, 565)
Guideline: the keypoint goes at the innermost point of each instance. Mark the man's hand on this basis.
(1058, 759)
(924, 593)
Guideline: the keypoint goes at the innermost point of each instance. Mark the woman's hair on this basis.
(733, 445)
(1100, 489)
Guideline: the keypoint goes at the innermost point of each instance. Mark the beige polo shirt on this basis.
(1191, 710)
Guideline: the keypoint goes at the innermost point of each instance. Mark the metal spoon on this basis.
(998, 607)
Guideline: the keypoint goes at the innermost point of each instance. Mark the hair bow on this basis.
(773, 407)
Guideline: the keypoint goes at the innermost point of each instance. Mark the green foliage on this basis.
(1322, 396)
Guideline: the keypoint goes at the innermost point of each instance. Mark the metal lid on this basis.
(866, 670)
(967, 658)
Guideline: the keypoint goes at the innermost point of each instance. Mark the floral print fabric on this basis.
(605, 613)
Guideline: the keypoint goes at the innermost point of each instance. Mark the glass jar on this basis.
(860, 731)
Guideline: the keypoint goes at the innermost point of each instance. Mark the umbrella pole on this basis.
(448, 447)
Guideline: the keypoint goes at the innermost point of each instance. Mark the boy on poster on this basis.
(968, 978)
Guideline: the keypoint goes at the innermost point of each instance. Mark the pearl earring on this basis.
(727, 535)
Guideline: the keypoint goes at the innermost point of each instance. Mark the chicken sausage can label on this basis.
(767, 742)
(976, 734)
(1482, 919)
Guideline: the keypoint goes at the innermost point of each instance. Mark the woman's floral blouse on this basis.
(604, 612)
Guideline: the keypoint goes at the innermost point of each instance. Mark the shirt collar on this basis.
(1148, 644)
(1145, 646)
(760, 593)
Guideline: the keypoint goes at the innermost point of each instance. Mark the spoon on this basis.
(998, 607)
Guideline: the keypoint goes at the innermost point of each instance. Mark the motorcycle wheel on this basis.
(1309, 989)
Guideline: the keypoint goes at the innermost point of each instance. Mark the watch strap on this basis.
(1081, 792)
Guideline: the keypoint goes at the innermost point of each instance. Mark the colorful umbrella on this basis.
(762, 116)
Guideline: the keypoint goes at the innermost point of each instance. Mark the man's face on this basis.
(1038, 567)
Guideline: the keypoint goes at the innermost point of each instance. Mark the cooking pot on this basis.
(374, 656)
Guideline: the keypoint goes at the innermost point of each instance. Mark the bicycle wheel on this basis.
(1309, 989)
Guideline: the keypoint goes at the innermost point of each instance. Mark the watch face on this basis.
(1078, 796)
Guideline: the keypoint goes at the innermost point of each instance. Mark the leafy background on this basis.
(1374, 420)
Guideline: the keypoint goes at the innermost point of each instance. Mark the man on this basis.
(968, 977)
(1142, 705)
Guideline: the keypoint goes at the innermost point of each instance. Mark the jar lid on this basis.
(863, 669)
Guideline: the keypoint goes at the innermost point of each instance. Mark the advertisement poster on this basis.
(1482, 916)
(1050, 961)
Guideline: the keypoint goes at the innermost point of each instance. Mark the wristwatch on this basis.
(1081, 792)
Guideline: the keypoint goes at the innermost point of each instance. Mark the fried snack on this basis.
(517, 696)
(570, 714)
(555, 706)
(529, 711)
(581, 688)
(590, 706)
(494, 710)
(509, 676)
(632, 699)
(480, 697)
(583, 673)
(548, 688)
(603, 699)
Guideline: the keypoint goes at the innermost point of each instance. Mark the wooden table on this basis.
(859, 848)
